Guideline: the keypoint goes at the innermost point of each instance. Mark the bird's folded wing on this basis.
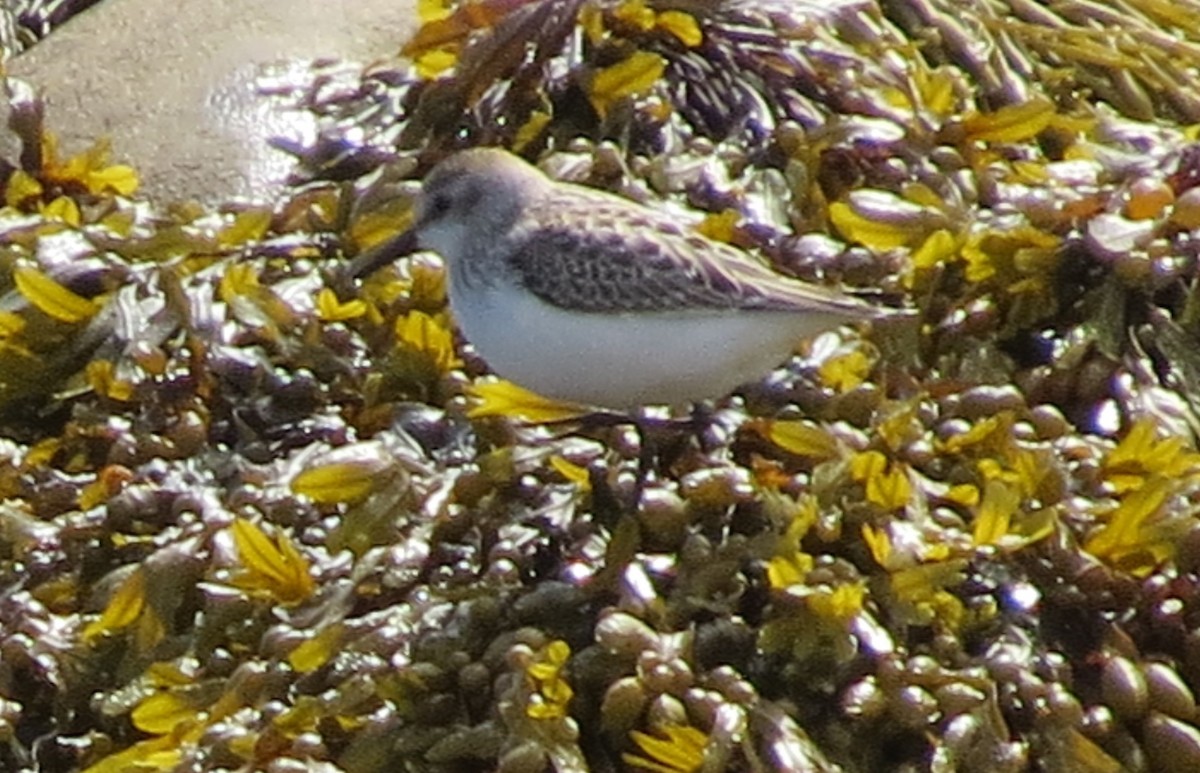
(614, 256)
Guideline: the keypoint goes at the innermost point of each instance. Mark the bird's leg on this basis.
(657, 431)
(702, 416)
(660, 434)
(602, 423)
(716, 425)
(647, 456)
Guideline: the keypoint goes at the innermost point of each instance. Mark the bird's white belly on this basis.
(626, 360)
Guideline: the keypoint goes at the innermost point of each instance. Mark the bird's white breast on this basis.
(625, 360)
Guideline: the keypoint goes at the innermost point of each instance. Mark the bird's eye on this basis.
(437, 206)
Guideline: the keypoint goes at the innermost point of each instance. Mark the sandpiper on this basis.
(584, 296)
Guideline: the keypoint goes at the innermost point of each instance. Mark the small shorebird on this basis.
(584, 296)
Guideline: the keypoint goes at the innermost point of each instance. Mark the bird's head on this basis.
(473, 198)
(467, 202)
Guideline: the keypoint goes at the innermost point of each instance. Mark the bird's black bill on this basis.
(381, 255)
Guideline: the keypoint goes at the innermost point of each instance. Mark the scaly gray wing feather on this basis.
(596, 252)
